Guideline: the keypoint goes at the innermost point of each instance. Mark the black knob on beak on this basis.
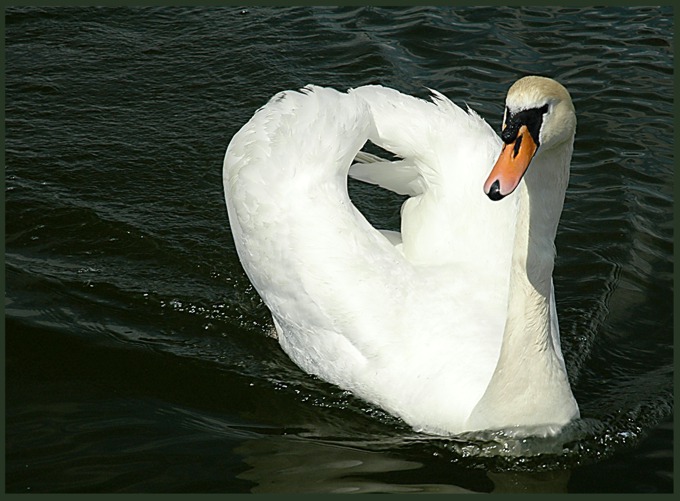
(495, 191)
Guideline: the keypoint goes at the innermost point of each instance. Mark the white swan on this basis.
(451, 324)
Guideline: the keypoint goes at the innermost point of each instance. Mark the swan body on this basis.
(450, 323)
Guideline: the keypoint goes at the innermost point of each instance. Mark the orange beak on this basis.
(511, 165)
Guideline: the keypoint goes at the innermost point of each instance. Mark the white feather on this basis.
(414, 322)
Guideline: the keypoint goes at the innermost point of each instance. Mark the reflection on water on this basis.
(294, 465)
(530, 482)
(283, 465)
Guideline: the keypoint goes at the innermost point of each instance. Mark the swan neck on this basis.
(533, 259)
(541, 199)
(530, 385)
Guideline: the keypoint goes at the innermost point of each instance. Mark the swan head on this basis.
(539, 117)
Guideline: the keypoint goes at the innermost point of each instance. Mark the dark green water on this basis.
(136, 355)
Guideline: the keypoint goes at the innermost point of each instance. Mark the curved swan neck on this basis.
(533, 258)
(540, 206)
(527, 329)
(529, 385)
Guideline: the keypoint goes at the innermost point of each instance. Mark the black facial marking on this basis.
(518, 143)
(533, 119)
